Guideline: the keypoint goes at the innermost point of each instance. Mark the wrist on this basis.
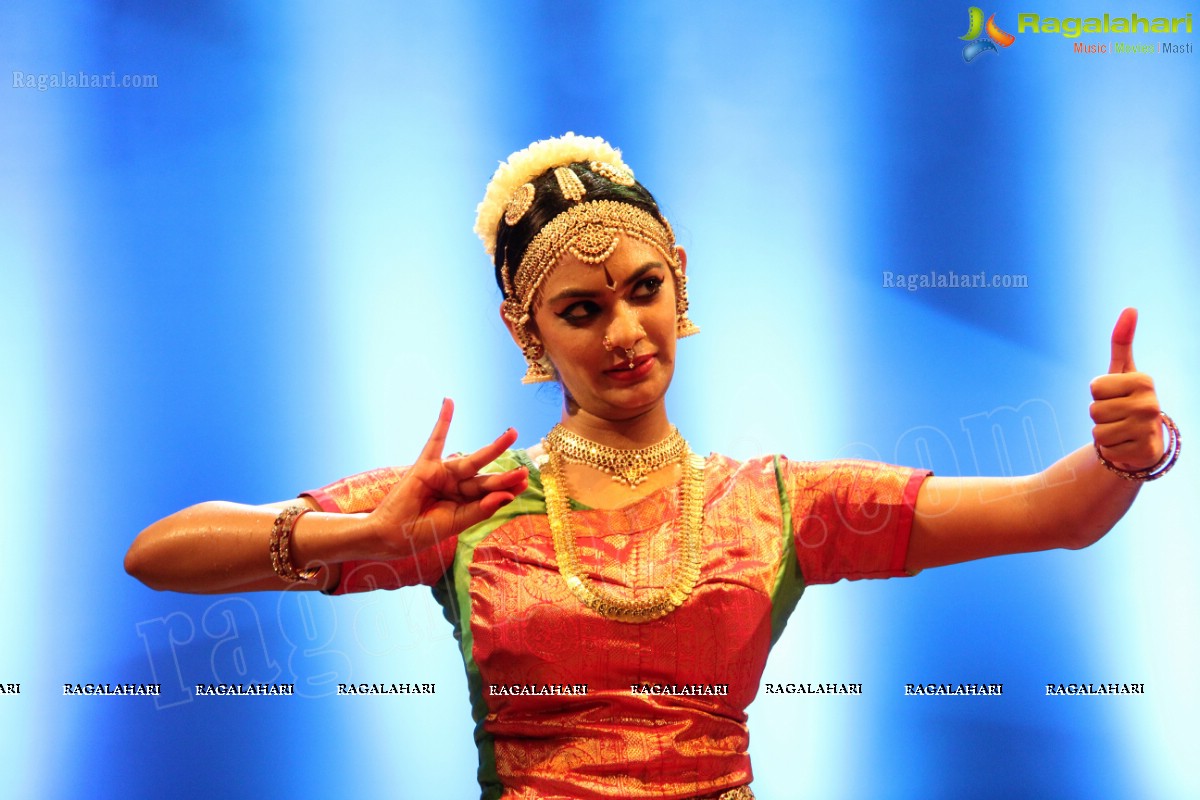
(321, 538)
(281, 546)
(1159, 468)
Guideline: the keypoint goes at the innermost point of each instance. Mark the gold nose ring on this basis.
(630, 352)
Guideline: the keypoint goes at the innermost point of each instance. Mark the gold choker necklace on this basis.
(655, 604)
(629, 467)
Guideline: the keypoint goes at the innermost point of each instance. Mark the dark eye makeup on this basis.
(648, 287)
(579, 312)
(583, 311)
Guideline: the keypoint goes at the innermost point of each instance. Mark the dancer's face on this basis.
(595, 320)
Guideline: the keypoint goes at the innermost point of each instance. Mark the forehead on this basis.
(631, 255)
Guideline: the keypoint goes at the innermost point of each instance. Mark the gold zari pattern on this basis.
(627, 466)
(770, 526)
(604, 602)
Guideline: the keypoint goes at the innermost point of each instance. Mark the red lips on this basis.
(641, 368)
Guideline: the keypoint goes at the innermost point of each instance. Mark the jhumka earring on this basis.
(540, 370)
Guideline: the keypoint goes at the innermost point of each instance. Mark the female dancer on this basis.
(614, 595)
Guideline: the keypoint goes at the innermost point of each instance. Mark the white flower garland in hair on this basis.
(525, 165)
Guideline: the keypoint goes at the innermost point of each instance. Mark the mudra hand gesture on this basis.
(440, 497)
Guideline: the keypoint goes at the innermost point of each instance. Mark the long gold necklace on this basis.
(687, 571)
(625, 466)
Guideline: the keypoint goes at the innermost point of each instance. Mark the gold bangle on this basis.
(281, 551)
(1169, 456)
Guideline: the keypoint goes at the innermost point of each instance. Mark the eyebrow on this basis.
(634, 277)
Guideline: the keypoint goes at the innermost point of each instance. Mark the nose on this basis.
(625, 330)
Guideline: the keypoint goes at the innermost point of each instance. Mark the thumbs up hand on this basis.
(1128, 429)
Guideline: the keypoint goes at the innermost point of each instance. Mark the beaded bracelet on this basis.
(281, 554)
(1169, 456)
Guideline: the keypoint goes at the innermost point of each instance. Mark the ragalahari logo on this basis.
(977, 42)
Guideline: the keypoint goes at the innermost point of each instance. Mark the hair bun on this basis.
(525, 165)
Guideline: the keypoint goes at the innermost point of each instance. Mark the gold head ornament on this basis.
(590, 230)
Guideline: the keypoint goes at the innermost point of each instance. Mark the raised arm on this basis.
(1072, 503)
(225, 547)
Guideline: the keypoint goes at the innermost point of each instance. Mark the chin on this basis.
(612, 399)
(637, 399)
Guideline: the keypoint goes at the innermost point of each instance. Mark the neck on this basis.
(641, 430)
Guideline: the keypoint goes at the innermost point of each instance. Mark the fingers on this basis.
(467, 514)
(492, 503)
(473, 462)
(1122, 342)
(1125, 398)
(437, 440)
(469, 464)
(514, 482)
(1119, 408)
(1127, 384)
(1126, 414)
(1115, 434)
(448, 517)
(1130, 444)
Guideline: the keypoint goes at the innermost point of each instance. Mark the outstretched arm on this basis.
(1069, 505)
(224, 547)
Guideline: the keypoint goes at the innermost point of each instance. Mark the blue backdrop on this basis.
(248, 269)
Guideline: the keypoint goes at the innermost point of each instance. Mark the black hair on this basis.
(548, 202)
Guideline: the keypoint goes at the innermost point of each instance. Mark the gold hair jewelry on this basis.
(594, 245)
(281, 550)
(591, 232)
(619, 176)
(655, 604)
(521, 201)
(525, 165)
(569, 184)
(596, 229)
(627, 466)
(1169, 456)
